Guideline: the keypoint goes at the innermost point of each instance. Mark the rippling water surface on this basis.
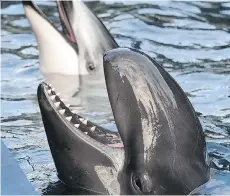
(190, 39)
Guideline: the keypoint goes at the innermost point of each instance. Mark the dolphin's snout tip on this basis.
(27, 3)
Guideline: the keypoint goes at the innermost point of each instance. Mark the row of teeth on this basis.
(62, 111)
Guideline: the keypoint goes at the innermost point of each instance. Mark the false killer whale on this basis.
(164, 147)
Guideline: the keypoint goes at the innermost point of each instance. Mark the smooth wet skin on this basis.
(164, 148)
(163, 138)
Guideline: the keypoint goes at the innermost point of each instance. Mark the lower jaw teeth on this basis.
(57, 104)
(83, 121)
(77, 125)
(52, 97)
(69, 118)
(62, 111)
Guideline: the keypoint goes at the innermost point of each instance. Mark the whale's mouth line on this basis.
(79, 123)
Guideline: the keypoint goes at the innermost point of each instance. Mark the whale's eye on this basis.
(142, 183)
(91, 66)
(136, 182)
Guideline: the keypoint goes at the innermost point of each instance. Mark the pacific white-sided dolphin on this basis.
(75, 51)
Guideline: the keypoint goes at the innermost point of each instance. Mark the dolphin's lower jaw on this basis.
(79, 159)
(76, 122)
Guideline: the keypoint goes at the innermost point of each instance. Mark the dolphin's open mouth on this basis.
(77, 122)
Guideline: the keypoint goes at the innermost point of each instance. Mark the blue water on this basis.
(190, 39)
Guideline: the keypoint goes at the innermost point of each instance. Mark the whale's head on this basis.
(160, 148)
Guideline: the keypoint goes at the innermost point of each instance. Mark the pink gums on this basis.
(118, 145)
(65, 20)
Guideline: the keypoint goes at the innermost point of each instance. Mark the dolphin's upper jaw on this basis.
(77, 122)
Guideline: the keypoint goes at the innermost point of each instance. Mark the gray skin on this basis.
(83, 27)
(164, 147)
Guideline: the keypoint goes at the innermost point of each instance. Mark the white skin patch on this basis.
(150, 138)
(56, 55)
(161, 102)
(108, 177)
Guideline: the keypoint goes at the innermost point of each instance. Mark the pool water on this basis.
(190, 39)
